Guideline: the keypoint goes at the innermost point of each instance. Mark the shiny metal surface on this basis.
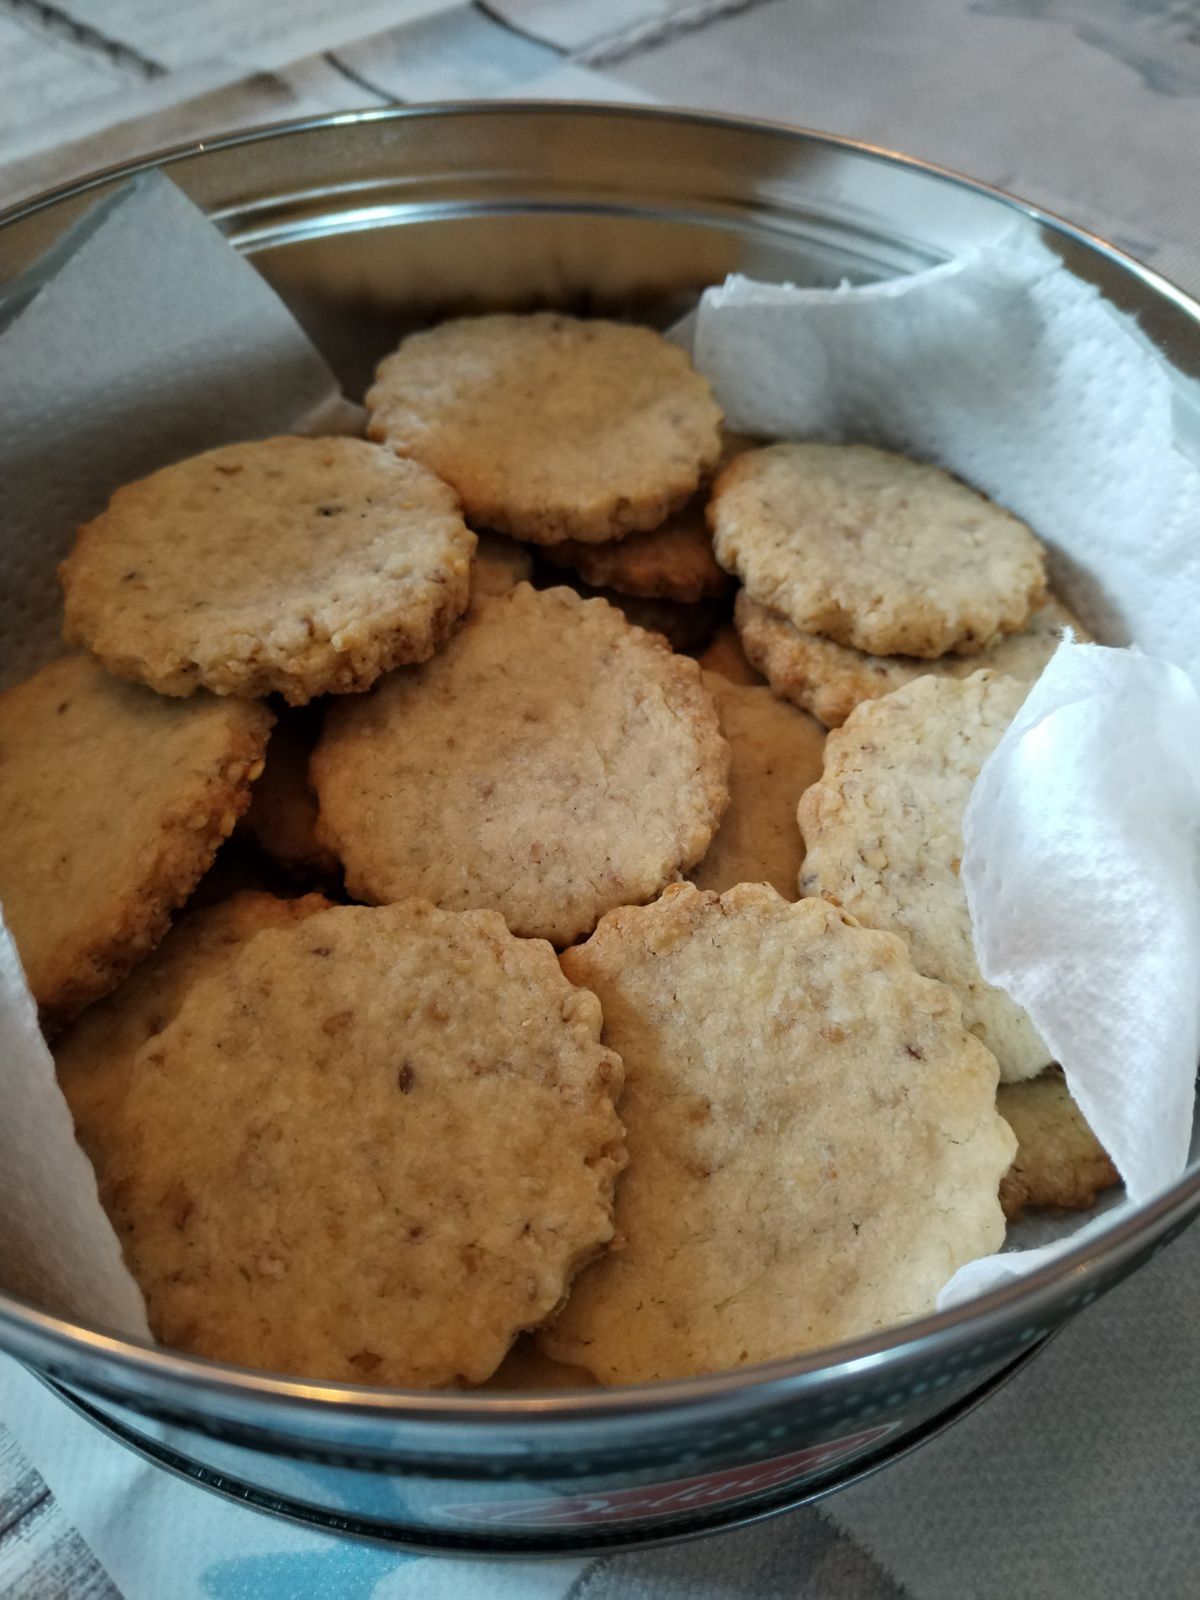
(367, 224)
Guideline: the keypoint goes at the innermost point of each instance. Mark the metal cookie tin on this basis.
(365, 223)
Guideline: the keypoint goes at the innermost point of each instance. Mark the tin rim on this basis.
(1053, 1291)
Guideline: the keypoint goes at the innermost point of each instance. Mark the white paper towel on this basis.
(1082, 834)
(153, 340)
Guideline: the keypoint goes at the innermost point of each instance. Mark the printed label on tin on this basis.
(668, 1499)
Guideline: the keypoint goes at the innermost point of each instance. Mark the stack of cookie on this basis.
(501, 1069)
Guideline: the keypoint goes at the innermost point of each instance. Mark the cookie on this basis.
(775, 753)
(548, 427)
(1059, 1161)
(672, 562)
(94, 1056)
(500, 564)
(113, 801)
(372, 1147)
(550, 763)
(726, 656)
(282, 818)
(813, 1139)
(873, 551)
(883, 830)
(831, 679)
(302, 566)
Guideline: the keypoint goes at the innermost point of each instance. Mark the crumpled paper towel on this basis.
(1083, 831)
(152, 340)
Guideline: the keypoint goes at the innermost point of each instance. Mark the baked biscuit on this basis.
(373, 1147)
(282, 818)
(95, 1055)
(303, 566)
(726, 656)
(672, 562)
(813, 1139)
(873, 551)
(550, 763)
(831, 679)
(775, 753)
(883, 830)
(549, 427)
(113, 801)
(1059, 1160)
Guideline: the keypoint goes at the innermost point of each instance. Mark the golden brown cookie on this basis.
(775, 753)
(282, 818)
(831, 679)
(95, 1055)
(671, 562)
(113, 801)
(303, 566)
(1059, 1161)
(372, 1147)
(813, 1139)
(883, 830)
(726, 656)
(500, 564)
(550, 763)
(549, 427)
(873, 551)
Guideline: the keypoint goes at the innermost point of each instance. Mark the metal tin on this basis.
(364, 223)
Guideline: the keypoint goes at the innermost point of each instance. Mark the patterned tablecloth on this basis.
(1079, 1478)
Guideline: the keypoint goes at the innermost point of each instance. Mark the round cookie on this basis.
(550, 763)
(550, 427)
(303, 566)
(373, 1147)
(282, 818)
(1059, 1160)
(813, 1139)
(874, 551)
(95, 1055)
(829, 679)
(113, 801)
(883, 831)
(672, 562)
(775, 753)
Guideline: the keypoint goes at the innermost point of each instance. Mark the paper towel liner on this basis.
(153, 340)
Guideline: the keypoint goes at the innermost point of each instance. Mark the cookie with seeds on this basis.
(813, 1139)
(873, 551)
(113, 801)
(775, 753)
(829, 679)
(373, 1147)
(550, 427)
(282, 818)
(95, 1055)
(726, 656)
(883, 832)
(549, 763)
(1059, 1160)
(297, 566)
